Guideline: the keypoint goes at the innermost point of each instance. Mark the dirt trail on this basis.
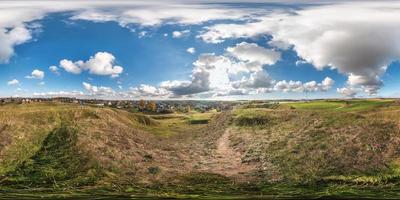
(226, 160)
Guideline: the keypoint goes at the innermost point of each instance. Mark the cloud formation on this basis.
(13, 82)
(100, 64)
(54, 69)
(98, 90)
(298, 86)
(16, 16)
(36, 74)
(360, 42)
(148, 91)
(179, 34)
(252, 53)
(191, 50)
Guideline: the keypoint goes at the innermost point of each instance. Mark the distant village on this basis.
(162, 107)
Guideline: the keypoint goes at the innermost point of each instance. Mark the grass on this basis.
(58, 163)
(336, 105)
(305, 145)
(319, 149)
(173, 124)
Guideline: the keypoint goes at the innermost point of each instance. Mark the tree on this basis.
(152, 106)
(142, 104)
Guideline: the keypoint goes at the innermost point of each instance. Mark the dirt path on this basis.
(226, 160)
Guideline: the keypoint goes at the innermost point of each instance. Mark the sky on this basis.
(223, 50)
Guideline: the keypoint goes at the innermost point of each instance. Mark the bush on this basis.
(154, 170)
(257, 120)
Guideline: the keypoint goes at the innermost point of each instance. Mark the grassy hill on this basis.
(298, 149)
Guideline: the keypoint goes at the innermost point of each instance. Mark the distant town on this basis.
(154, 106)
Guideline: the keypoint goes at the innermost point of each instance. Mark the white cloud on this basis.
(60, 94)
(326, 84)
(142, 34)
(16, 16)
(9, 39)
(300, 62)
(36, 74)
(179, 34)
(191, 50)
(289, 86)
(13, 82)
(232, 92)
(54, 69)
(298, 86)
(220, 32)
(148, 91)
(16, 19)
(70, 67)
(258, 79)
(98, 90)
(347, 91)
(100, 64)
(42, 83)
(360, 42)
(148, 14)
(251, 52)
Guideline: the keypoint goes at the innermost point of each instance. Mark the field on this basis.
(324, 148)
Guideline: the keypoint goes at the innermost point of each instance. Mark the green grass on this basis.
(317, 105)
(173, 124)
(58, 163)
(342, 105)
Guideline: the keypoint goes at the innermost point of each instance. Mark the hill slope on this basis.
(315, 148)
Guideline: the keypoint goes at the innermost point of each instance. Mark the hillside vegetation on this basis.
(299, 149)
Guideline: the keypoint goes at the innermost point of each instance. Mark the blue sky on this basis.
(132, 50)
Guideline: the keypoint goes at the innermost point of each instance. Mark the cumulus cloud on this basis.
(36, 74)
(11, 38)
(209, 72)
(347, 91)
(148, 91)
(54, 69)
(70, 66)
(16, 19)
(298, 86)
(98, 90)
(100, 64)
(16, 16)
(220, 32)
(191, 50)
(200, 83)
(13, 82)
(232, 92)
(179, 34)
(258, 79)
(252, 53)
(360, 42)
(214, 73)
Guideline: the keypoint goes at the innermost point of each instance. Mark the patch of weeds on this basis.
(199, 121)
(90, 114)
(153, 170)
(147, 158)
(256, 120)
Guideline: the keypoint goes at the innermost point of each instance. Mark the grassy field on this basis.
(325, 148)
(339, 105)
